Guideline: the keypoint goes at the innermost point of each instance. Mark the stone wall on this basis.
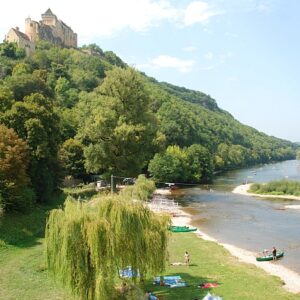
(15, 36)
(51, 29)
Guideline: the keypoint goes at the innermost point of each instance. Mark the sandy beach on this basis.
(290, 278)
(243, 190)
(292, 206)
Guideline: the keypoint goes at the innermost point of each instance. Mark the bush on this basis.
(277, 187)
(82, 192)
(141, 190)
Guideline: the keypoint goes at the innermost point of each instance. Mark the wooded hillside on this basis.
(84, 111)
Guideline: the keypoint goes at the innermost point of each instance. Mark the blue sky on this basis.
(244, 53)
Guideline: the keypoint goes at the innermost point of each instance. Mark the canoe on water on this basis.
(182, 229)
(270, 256)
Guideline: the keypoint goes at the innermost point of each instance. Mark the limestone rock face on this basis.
(46, 33)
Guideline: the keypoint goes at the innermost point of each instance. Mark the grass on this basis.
(84, 192)
(212, 263)
(23, 274)
(277, 187)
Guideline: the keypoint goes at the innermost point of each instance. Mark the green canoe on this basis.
(270, 257)
(181, 229)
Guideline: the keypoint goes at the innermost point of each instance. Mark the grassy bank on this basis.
(22, 263)
(212, 263)
(23, 274)
(277, 187)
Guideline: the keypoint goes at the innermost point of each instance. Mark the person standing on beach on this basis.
(274, 252)
(187, 258)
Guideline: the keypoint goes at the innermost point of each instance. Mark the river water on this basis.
(250, 223)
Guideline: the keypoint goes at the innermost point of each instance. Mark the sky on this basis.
(243, 53)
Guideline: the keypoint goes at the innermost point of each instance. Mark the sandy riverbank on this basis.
(290, 278)
(243, 190)
(292, 206)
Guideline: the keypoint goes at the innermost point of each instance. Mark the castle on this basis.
(50, 28)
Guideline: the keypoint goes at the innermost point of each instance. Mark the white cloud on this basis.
(198, 12)
(209, 56)
(98, 18)
(170, 62)
(189, 49)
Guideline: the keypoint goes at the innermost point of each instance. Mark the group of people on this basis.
(266, 252)
(149, 295)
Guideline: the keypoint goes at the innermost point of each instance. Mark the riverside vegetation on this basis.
(86, 248)
(277, 187)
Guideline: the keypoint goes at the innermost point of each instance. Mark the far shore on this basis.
(290, 278)
(244, 188)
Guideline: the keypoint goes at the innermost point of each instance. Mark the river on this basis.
(250, 223)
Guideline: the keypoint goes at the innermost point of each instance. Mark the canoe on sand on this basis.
(182, 229)
(270, 256)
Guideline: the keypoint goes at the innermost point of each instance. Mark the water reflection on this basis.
(248, 222)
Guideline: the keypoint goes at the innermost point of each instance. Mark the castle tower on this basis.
(32, 29)
(48, 18)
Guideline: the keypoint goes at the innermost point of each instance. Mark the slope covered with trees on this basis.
(84, 111)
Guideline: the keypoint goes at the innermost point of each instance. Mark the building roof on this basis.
(21, 34)
(49, 12)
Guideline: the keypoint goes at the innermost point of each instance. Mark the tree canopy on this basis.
(14, 194)
(121, 130)
(84, 111)
(86, 248)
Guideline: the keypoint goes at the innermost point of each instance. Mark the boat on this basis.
(181, 229)
(270, 256)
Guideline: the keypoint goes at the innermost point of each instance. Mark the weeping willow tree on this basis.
(87, 246)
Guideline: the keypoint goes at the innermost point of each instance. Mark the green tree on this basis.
(84, 80)
(192, 164)
(200, 163)
(71, 156)
(86, 248)
(6, 99)
(94, 49)
(112, 58)
(8, 50)
(21, 68)
(35, 121)
(120, 132)
(171, 166)
(26, 84)
(65, 94)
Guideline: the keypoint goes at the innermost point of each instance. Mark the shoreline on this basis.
(243, 190)
(291, 279)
